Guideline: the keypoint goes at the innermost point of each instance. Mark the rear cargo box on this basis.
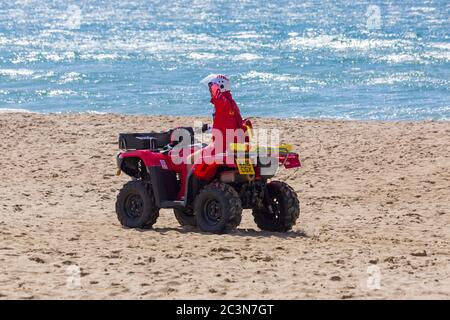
(143, 141)
(154, 140)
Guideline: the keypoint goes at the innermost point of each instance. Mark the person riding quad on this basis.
(226, 117)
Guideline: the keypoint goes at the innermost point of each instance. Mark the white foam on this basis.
(101, 56)
(340, 43)
(436, 55)
(57, 57)
(423, 9)
(266, 76)
(30, 57)
(301, 89)
(94, 112)
(70, 77)
(25, 73)
(441, 45)
(400, 58)
(202, 56)
(246, 57)
(246, 35)
(55, 93)
(14, 110)
(16, 72)
(395, 78)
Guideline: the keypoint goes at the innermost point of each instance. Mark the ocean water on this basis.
(379, 60)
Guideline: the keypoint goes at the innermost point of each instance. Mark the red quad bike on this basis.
(214, 194)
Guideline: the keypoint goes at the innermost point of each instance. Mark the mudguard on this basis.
(149, 158)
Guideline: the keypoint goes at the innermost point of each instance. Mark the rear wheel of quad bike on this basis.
(135, 206)
(185, 217)
(280, 209)
(218, 208)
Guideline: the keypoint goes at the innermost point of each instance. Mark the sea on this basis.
(361, 60)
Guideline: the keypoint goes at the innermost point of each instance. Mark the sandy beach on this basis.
(375, 202)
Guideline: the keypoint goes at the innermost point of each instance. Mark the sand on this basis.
(374, 222)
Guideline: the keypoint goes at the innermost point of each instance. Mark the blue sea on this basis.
(375, 60)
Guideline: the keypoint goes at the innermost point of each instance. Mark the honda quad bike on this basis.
(212, 195)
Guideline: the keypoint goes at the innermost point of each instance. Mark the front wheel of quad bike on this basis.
(185, 217)
(218, 208)
(280, 209)
(135, 206)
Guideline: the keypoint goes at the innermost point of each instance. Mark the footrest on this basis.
(171, 204)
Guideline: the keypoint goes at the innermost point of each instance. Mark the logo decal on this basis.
(163, 164)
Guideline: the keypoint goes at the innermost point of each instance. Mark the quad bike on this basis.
(214, 194)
